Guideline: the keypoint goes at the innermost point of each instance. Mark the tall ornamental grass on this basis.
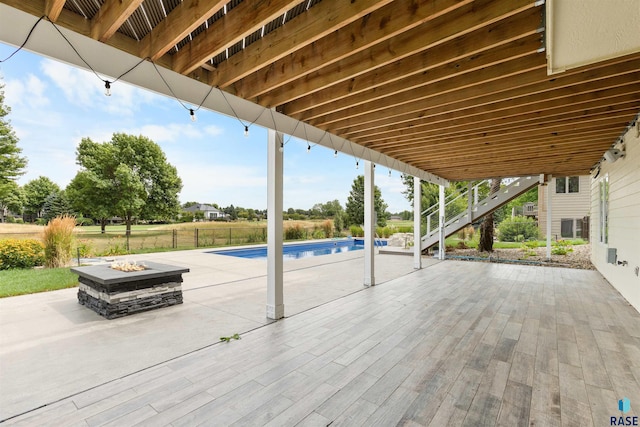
(59, 241)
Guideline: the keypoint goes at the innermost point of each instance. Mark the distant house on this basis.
(570, 204)
(209, 211)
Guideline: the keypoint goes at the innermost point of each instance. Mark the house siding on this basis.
(624, 220)
(566, 205)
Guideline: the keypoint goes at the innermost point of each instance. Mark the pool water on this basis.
(297, 251)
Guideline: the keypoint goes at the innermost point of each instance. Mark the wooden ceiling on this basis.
(457, 88)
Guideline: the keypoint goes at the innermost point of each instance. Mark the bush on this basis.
(59, 241)
(294, 232)
(19, 221)
(82, 221)
(561, 247)
(85, 248)
(518, 229)
(319, 234)
(404, 229)
(327, 228)
(356, 231)
(26, 253)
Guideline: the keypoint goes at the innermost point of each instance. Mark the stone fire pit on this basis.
(113, 293)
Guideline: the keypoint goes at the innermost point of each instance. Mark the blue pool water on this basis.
(296, 251)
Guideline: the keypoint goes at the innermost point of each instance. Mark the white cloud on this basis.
(175, 132)
(83, 88)
(28, 93)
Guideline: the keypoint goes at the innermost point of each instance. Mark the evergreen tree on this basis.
(355, 204)
(11, 164)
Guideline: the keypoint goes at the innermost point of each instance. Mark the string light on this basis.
(389, 173)
(281, 149)
(193, 115)
(335, 154)
(246, 131)
(107, 88)
(357, 164)
(308, 148)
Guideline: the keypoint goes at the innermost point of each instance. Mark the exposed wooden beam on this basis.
(468, 68)
(490, 79)
(181, 21)
(53, 8)
(486, 139)
(387, 50)
(491, 121)
(459, 51)
(111, 16)
(507, 152)
(380, 25)
(242, 20)
(509, 109)
(527, 84)
(306, 28)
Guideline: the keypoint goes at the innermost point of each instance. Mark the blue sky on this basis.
(54, 106)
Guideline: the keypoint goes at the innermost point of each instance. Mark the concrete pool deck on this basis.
(51, 347)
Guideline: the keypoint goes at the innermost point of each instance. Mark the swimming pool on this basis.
(297, 251)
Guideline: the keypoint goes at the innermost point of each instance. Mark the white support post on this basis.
(549, 190)
(441, 245)
(417, 220)
(470, 202)
(275, 294)
(369, 225)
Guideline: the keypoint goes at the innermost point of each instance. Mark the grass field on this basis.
(29, 281)
(159, 237)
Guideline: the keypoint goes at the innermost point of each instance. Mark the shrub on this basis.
(25, 253)
(85, 248)
(319, 234)
(404, 229)
(19, 221)
(294, 232)
(519, 227)
(82, 221)
(561, 247)
(356, 231)
(327, 228)
(59, 241)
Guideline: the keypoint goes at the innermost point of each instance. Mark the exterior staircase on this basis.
(464, 208)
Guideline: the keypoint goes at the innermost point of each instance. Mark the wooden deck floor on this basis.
(454, 344)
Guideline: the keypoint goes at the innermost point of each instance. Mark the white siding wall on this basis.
(624, 220)
(567, 205)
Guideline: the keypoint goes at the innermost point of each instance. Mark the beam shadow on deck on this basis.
(455, 344)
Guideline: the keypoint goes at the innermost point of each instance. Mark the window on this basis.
(604, 209)
(569, 184)
(566, 228)
(578, 227)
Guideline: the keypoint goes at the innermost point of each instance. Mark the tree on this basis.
(92, 196)
(36, 192)
(486, 228)
(11, 199)
(56, 204)
(11, 164)
(355, 204)
(133, 174)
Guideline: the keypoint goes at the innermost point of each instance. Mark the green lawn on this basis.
(29, 281)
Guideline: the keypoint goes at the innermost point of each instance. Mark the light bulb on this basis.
(281, 149)
(192, 114)
(107, 88)
(308, 148)
(246, 131)
(357, 164)
(335, 154)
(389, 173)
